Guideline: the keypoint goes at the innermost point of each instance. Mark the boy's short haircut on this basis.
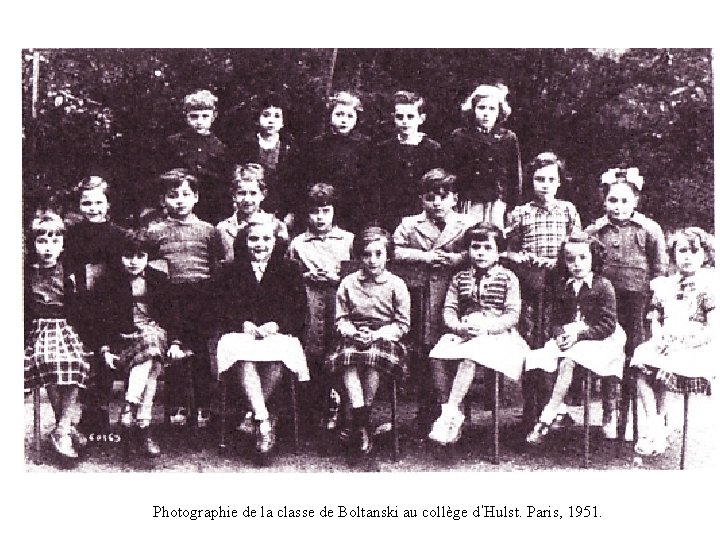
(344, 98)
(483, 232)
(271, 99)
(404, 97)
(371, 234)
(92, 182)
(200, 100)
(249, 172)
(47, 224)
(320, 195)
(438, 181)
(135, 242)
(175, 178)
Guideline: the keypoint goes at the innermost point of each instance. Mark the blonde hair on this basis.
(200, 100)
(249, 172)
(47, 224)
(496, 91)
(344, 98)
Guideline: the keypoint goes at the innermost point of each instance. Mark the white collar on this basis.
(577, 284)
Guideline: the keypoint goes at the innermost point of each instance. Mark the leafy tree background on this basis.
(105, 111)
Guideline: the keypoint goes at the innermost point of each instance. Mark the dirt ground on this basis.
(322, 453)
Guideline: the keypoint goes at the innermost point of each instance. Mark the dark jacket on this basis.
(38, 305)
(279, 297)
(596, 305)
(115, 292)
(487, 165)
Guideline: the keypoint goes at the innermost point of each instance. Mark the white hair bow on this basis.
(630, 176)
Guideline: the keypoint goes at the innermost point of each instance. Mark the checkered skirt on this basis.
(150, 341)
(680, 371)
(385, 356)
(55, 355)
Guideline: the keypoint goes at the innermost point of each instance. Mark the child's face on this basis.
(343, 119)
(260, 242)
(688, 258)
(439, 205)
(134, 263)
(374, 258)
(483, 253)
(200, 121)
(180, 201)
(486, 112)
(578, 259)
(620, 201)
(271, 121)
(408, 119)
(94, 205)
(546, 182)
(48, 248)
(321, 218)
(248, 197)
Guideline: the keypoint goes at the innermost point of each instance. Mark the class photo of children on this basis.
(368, 260)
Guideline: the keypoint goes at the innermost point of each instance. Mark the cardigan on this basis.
(115, 290)
(596, 306)
(279, 297)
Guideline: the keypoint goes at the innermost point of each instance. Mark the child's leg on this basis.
(145, 403)
(252, 386)
(560, 390)
(438, 371)
(69, 409)
(370, 381)
(53, 393)
(271, 374)
(353, 386)
(461, 383)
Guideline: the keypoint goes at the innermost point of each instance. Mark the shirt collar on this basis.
(192, 218)
(637, 218)
(587, 281)
(494, 269)
(552, 206)
(333, 233)
(382, 278)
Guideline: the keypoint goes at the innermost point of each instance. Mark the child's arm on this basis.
(451, 309)
(657, 251)
(515, 178)
(404, 251)
(607, 310)
(400, 325)
(343, 324)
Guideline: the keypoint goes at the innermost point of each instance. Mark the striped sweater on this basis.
(191, 248)
(494, 295)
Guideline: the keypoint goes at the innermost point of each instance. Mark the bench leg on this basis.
(294, 405)
(394, 420)
(586, 419)
(36, 418)
(222, 444)
(683, 447)
(496, 420)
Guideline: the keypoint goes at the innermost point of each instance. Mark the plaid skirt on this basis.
(54, 354)
(150, 341)
(385, 356)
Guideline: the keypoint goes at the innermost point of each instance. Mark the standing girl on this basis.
(91, 247)
(339, 157)
(584, 324)
(54, 355)
(260, 302)
(481, 310)
(372, 316)
(678, 357)
(536, 230)
(486, 157)
(636, 254)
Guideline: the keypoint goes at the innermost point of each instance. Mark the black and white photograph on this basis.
(338, 272)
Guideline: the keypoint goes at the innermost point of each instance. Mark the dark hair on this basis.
(371, 234)
(484, 232)
(320, 194)
(271, 99)
(597, 252)
(698, 239)
(404, 97)
(605, 188)
(545, 159)
(438, 181)
(175, 178)
(249, 172)
(136, 242)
